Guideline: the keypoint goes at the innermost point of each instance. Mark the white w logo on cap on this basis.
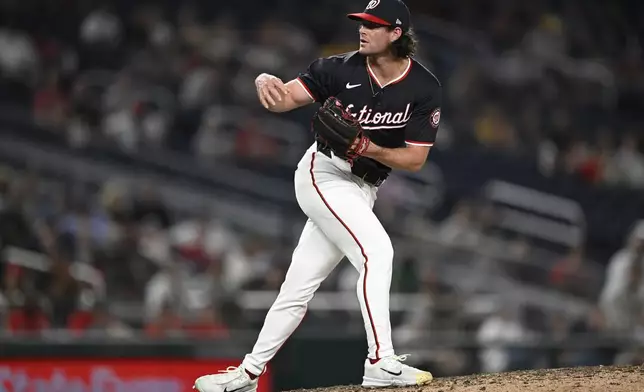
(373, 4)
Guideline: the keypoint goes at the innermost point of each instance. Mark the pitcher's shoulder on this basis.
(338, 61)
(422, 74)
(345, 57)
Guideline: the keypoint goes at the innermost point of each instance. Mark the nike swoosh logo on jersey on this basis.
(350, 86)
(392, 373)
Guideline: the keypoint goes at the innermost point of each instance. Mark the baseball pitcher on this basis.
(380, 110)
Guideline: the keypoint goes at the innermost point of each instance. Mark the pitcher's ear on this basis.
(398, 33)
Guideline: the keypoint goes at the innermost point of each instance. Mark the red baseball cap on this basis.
(385, 12)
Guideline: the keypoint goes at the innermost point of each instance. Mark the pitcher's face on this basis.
(375, 38)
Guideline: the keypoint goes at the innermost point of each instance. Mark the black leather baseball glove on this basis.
(340, 131)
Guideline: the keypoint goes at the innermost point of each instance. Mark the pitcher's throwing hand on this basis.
(270, 90)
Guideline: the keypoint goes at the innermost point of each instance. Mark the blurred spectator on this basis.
(439, 311)
(494, 130)
(588, 164)
(462, 227)
(591, 328)
(251, 143)
(97, 319)
(258, 257)
(164, 287)
(13, 284)
(86, 230)
(166, 324)
(101, 32)
(192, 280)
(28, 319)
(148, 207)
(61, 289)
(18, 56)
(500, 335)
(630, 162)
(622, 296)
(546, 43)
(207, 324)
(199, 85)
(570, 275)
(405, 278)
(50, 107)
(633, 354)
(5, 183)
(15, 229)
(123, 128)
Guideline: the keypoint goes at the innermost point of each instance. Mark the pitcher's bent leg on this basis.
(313, 260)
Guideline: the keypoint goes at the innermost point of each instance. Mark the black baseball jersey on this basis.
(404, 111)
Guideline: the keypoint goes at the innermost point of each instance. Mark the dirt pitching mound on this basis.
(584, 379)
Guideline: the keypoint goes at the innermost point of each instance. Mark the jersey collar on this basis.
(393, 81)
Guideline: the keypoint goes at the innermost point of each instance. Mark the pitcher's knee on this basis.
(382, 253)
(294, 296)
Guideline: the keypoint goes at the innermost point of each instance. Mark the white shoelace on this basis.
(229, 369)
(400, 358)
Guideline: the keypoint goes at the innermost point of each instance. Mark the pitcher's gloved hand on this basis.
(339, 130)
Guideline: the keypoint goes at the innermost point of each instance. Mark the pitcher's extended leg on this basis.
(313, 260)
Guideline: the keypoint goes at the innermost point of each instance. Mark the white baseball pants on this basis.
(341, 222)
